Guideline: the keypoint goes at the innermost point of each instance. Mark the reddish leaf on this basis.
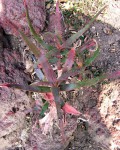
(88, 45)
(58, 45)
(41, 83)
(70, 73)
(58, 101)
(66, 108)
(31, 45)
(40, 89)
(10, 113)
(39, 66)
(24, 1)
(70, 60)
(48, 97)
(47, 69)
(4, 85)
(70, 110)
(58, 19)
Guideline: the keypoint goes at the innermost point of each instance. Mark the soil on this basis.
(99, 104)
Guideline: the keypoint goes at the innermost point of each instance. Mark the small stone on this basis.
(48, 6)
(23, 44)
(107, 31)
(112, 50)
(93, 30)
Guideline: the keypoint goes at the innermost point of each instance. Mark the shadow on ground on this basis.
(100, 103)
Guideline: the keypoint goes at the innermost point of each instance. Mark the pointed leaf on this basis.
(47, 69)
(70, 60)
(40, 89)
(70, 73)
(48, 97)
(87, 45)
(53, 60)
(42, 83)
(44, 108)
(88, 61)
(58, 101)
(58, 25)
(70, 110)
(79, 84)
(74, 37)
(36, 36)
(31, 45)
(37, 68)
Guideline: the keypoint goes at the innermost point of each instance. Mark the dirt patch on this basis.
(101, 103)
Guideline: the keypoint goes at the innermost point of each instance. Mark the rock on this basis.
(107, 31)
(14, 11)
(13, 102)
(109, 101)
(93, 29)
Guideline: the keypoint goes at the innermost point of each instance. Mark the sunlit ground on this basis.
(91, 7)
(1, 8)
(110, 95)
(87, 7)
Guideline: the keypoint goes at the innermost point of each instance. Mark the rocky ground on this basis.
(99, 104)
(103, 102)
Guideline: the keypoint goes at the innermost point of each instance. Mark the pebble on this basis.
(48, 6)
(93, 29)
(112, 50)
(107, 31)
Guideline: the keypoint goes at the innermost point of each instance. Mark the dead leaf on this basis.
(46, 123)
(29, 66)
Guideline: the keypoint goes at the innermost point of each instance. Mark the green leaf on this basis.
(69, 60)
(41, 83)
(31, 45)
(79, 84)
(53, 60)
(88, 61)
(43, 89)
(72, 73)
(58, 101)
(74, 37)
(51, 53)
(40, 89)
(44, 108)
(36, 36)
